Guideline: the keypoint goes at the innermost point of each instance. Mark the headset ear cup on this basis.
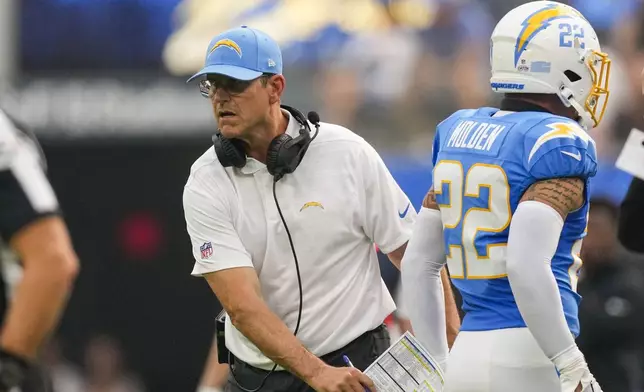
(275, 158)
(228, 153)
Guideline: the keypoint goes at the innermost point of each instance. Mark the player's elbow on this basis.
(60, 267)
(68, 267)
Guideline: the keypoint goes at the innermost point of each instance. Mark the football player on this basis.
(509, 208)
(38, 264)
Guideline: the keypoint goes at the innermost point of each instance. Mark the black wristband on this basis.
(13, 370)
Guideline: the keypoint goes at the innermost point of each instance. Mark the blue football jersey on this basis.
(484, 161)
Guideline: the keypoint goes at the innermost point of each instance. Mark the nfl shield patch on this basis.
(206, 250)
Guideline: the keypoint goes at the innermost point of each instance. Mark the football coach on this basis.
(284, 213)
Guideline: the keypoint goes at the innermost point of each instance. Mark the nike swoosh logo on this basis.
(577, 156)
(402, 214)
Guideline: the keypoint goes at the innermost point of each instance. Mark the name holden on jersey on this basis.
(481, 139)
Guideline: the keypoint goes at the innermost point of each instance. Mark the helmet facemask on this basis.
(594, 105)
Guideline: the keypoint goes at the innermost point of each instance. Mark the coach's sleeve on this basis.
(25, 192)
(215, 243)
(388, 213)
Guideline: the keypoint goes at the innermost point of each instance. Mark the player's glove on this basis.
(574, 373)
(13, 370)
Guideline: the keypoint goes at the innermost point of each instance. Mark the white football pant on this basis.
(503, 360)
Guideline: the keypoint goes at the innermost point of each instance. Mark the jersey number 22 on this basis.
(471, 257)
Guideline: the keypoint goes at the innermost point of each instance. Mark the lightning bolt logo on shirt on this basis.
(311, 204)
(226, 43)
(558, 130)
(538, 21)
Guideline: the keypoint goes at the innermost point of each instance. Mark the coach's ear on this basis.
(275, 85)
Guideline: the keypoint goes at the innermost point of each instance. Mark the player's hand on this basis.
(579, 380)
(12, 372)
(341, 379)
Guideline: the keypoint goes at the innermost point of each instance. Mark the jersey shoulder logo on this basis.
(560, 130)
(206, 250)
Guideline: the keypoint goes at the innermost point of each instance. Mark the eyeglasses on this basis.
(213, 82)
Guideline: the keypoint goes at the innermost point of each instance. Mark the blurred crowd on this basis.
(395, 84)
(102, 369)
(390, 70)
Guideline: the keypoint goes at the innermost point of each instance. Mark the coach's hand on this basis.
(341, 379)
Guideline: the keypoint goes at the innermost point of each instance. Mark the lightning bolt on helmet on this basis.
(546, 47)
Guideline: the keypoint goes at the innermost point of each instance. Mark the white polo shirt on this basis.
(339, 202)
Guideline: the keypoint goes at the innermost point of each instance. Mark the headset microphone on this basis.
(314, 118)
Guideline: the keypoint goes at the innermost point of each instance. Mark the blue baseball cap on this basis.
(242, 53)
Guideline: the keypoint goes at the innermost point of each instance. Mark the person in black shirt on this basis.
(612, 309)
(34, 243)
(631, 222)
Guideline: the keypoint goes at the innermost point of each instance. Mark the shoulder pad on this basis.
(558, 147)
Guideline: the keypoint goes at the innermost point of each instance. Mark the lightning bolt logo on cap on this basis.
(226, 43)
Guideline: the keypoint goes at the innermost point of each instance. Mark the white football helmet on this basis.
(546, 47)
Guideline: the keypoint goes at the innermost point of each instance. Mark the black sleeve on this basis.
(614, 315)
(631, 221)
(16, 208)
(25, 192)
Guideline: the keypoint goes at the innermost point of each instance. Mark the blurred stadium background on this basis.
(102, 84)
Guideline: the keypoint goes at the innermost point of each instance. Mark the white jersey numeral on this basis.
(464, 259)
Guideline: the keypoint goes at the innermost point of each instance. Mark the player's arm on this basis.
(31, 226)
(534, 235)
(50, 266)
(213, 378)
(390, 223)
(451, 311)
(631, 229)
(230, 274)
(453, 320)
(423, 283)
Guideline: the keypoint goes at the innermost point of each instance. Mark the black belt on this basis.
(333, 358)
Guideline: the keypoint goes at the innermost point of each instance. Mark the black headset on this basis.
(284, 152)
(284, 155)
